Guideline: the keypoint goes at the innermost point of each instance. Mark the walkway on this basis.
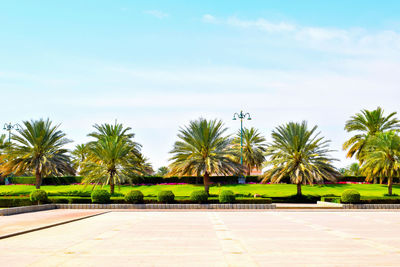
(213, 238)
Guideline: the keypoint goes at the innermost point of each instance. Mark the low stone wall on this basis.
(371, 206)
(166, 206)
(24, 209)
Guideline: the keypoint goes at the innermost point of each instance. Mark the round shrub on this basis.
(39, 196)
(227, 196)
(134, 197)
(350, 196)
(166, 196)
(100, 196)
(200, 196)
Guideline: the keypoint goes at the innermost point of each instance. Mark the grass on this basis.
(270, 190)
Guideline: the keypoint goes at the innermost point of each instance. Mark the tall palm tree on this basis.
(299, 154)
(254, 147)
(79, 154)
(203, 150)
(112, 157)
(38, 148)
(383, 157)
(367, 124)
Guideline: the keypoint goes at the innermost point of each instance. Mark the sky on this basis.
(156, 65)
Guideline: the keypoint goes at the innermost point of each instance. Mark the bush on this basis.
(200, 196)
(38, 195)
(350, 196)
(134, 197)
(227, 196)
(100, 196)
(166, 196)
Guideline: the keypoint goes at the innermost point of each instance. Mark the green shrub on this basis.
(134, 197)
(350, 196)
(227, 196)
(100, 196)
(200, 196)
(331, 199)
(39, 196)
(165, 196)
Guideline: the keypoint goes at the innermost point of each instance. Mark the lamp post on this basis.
(9, 127)
(241, 116)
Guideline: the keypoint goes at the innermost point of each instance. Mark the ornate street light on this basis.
(9, 127)
(241, 116)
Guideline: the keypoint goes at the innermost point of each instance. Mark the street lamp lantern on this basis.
(9, 127)
(241, 116)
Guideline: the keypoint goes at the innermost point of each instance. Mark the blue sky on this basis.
(155, 65)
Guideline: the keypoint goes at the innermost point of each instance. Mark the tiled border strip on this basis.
(371, 206)
(165, 206)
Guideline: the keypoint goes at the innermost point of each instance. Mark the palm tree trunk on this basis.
(390, 183)
(38, 175)
(111, 183)
(380, 180)
(207, 182)
(248, 170)
(299, 189)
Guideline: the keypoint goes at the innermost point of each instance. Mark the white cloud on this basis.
(209, 18)
(353, 41)
(261, 24)
(157, 13)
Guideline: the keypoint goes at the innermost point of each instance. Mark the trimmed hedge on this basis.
(350, 196)
(227, 196)
(64, 180)
(199, 196)
(134, 197)
(100, 196)
(166, 196)
(331, 199)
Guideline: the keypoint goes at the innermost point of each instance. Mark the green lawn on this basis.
(270, 190)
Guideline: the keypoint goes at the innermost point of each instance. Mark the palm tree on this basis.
(113, 157)
(299, 154)
(367, 124)
(202, 151)
(38, 148)
(383, 157)
(254, 147)
(162, 171)
(79, 154)
(353, 170)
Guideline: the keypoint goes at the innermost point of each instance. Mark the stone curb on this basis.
(165, 206)
(24, 209)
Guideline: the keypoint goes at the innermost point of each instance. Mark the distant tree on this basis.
(254, 148)
(113, 157)
(353, 170)
(162, 171)
(38, 148)
(79, 155)
(203, 150)
(300, 154)
(367, 124)
(383, 157)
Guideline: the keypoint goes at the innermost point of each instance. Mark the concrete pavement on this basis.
(213, 238)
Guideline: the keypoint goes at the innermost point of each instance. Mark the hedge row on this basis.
(7, 202)
(64, 180)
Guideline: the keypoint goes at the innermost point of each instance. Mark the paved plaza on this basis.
(210, 238)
